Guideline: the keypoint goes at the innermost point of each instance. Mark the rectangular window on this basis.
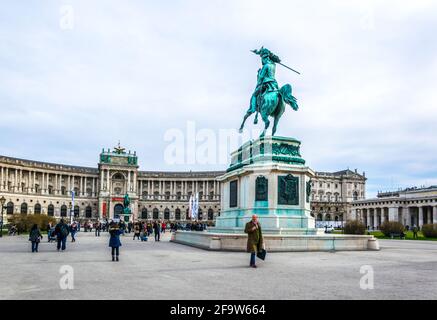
(233, 194)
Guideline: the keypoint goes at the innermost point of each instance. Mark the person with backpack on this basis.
(114, 240)
(61, 231)
(35, 237)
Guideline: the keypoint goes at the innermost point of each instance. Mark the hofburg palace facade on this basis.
(33, 187)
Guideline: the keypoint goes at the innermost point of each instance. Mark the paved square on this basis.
(164, 270)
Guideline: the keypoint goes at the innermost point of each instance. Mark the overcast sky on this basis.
(77, 76)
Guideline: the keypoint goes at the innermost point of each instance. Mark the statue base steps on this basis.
(276, 242)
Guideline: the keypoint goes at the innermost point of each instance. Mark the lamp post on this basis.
(2, 203)
(69, 207)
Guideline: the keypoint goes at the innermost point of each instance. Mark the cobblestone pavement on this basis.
(162, 270)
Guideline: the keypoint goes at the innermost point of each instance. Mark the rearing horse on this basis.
(273, 105)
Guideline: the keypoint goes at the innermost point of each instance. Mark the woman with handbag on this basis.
(35, 237)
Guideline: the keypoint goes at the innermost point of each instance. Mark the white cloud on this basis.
(132, 71)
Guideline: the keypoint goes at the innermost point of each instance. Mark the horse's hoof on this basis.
(240, 130)
(255, 122)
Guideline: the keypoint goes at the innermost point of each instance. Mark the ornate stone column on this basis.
(101, 179)
(107, 180)
(393, 214)
(434, 214)
(420, 223)
(1, 179)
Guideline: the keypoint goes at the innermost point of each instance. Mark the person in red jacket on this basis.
(163, 227)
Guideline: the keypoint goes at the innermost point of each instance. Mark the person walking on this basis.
(98, 228)
(73, 230)
(163, 227)
(157, 230)
(35, 237)
(114, 240)
(61, 232)
(415, 230)
(49, 231)
(255, 241)
(137, 231)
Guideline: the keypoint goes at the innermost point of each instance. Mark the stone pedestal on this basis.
(269, 178)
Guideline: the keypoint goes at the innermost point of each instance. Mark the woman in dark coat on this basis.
(114, 240)
(35, 237)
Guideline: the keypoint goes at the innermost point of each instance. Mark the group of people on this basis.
(255, 241)
(58, 233)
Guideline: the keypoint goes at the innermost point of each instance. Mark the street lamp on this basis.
(69, 207)
(2, 203)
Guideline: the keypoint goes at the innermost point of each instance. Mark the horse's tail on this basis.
(285, 92)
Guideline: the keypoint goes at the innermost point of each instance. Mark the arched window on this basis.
(210, 214)
(10, 208)
(355, 195)
(199, 214)
(24, 208)
(155, 214)
(63, 210)
(88, 212)
(319, 217)
(37, 209)
(178, 214)
(144, 213)
(328, 217)
(76, 211)
(118, 176)
(187, 214)
(166, 214)
(51, 210)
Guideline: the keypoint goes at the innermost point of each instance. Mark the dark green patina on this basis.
(261, 189)
(275, 149)
(288, 190)
(268, 99)
(308, 191)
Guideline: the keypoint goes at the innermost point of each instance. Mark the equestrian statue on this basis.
(268, 99)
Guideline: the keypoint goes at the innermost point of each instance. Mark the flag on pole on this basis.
(190, 207)
(196, 206)
(72, 205)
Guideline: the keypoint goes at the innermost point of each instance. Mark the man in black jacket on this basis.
(61, 232)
